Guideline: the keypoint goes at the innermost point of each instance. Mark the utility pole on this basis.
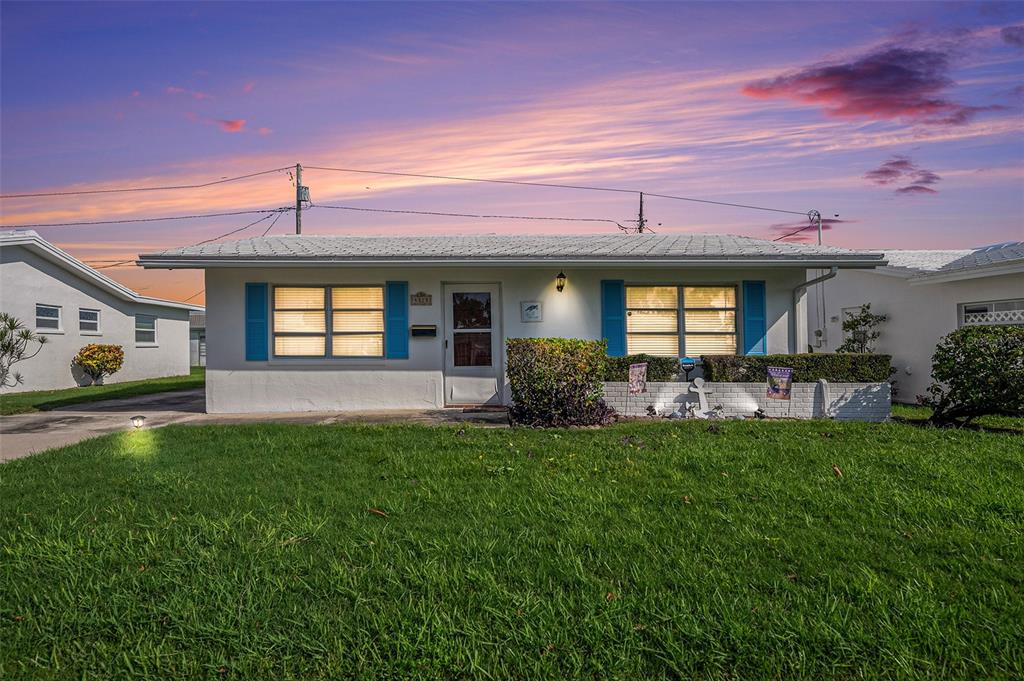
(815, 217)
(298, 199)
(641, 223)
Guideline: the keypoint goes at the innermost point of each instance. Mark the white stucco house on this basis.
(299, 323)
(925, 294)
(73, 305)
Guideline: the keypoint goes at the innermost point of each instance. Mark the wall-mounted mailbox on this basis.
(423, 330)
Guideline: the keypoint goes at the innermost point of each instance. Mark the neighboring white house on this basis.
(925, 294)
(73, 305)
(301, 323)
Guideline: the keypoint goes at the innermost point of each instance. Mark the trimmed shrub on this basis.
(658, 368)
(978, 370)
(807, 368)
(98, 360)
(557, 382)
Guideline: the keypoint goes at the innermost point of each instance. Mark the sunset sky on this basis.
(905, 119)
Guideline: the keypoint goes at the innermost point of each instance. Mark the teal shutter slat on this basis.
(256, 327)
(613, 316)
(755, 319)
(396, 320)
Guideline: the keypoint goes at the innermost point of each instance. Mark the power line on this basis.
(122, 222)
(465, 215)
(554, 185)
(272, 223)
(117, 263)
(793, 232)
(143, 189)
(194, 295)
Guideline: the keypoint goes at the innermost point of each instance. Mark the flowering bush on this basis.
(557, 382)
(98, 360)
(977, 370)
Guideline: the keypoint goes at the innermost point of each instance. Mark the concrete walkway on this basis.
(25, 434)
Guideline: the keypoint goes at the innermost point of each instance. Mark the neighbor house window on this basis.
(709, 320)
(992, 313)
(88, 320)
(145, 329)
(356, 327)
(47, 317)
(652, 320)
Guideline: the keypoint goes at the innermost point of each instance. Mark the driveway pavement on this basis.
(25, 434)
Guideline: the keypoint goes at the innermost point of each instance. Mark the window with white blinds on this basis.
(709, 320)
(652, 320)
(704, 317)
(302, 329)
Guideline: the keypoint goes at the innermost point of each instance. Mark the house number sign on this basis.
(421, 298)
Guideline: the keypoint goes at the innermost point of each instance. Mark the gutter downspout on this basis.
(799, 332)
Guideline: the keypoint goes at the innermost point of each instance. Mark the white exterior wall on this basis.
(841, 401)
(234, 385)
(919, 316)
(27, 279)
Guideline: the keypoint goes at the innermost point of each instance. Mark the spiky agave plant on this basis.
(15, 343)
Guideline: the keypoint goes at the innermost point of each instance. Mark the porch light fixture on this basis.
(560, 281)
(138, 421)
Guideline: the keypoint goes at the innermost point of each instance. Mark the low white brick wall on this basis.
(843, 401)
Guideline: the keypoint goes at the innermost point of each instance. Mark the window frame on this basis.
(681, 309)
(156, 330)
(990, 305)
(98, 331)
(60, 318)
(679, 322)
(735, 309)
(329, 333)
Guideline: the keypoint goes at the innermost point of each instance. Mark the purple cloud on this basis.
(788, 230)
(916, 189)
(891, 83)
(903, 170)
(1013, 35)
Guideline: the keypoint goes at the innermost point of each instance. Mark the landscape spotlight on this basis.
(138, 421)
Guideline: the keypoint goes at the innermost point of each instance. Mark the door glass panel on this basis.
(472, 349)
(472, 311)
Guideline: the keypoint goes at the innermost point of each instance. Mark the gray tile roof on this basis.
(934, 263)
(613, 247)
(923, 261)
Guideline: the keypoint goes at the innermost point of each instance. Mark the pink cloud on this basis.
(264, 131)
(194, 94)
(916, 189)
(231, 125)
(890, 83)
(249, 87)
(135, 93)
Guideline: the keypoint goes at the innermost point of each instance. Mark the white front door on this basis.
(472, 344)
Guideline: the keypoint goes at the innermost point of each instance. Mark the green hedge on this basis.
(658, 368)
(557, 381)
(839, 368)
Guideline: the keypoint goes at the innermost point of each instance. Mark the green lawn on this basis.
(643, 550)
(44, 400)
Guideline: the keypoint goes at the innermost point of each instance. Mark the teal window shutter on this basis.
(755, 319)
(396, 320)
(613, 316)
(256, 326)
